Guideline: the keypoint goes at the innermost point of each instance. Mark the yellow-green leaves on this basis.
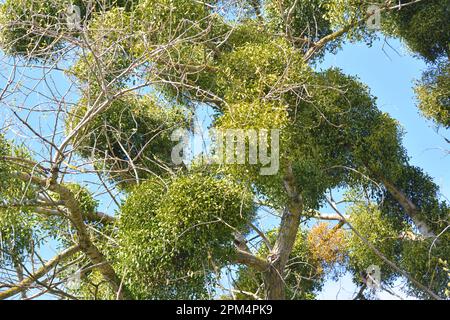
(421, 258)
(17, 223)
(30, 27)
(376, 229)
(85, 199)
(300, 19)
(165, 20)
(433, 94)
(260, 70)
(424, 26)
(175, 236)
(254, 115)
(38, 29)
(131, 138)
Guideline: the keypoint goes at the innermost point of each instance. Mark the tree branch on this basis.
(290, 222)
(250, 260)
(47, 267)
(333, 36)
(410, 209)
(383, 257)
(84, 240)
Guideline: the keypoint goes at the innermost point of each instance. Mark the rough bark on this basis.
(251, 261)
(274, 285)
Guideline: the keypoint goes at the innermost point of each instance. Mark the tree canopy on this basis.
(109, 81)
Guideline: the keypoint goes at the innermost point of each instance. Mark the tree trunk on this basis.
(410, 208)
(274, 285)
(290, 222)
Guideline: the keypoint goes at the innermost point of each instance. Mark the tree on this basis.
(99, 88)
(425, 29)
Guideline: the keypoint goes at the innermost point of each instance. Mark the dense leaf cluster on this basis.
(175, 238)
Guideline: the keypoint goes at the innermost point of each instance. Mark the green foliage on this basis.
(190, 67)
(84, 197)
(131, 139)
(342, 13)
(115, 37)
(444, 265)
(370, 223)
(246, 32)
(167, 19)
(308, 21)
(424, 193)
(300, 19)
(16, 221)
(346, 124)
(424, 26)
(331, 130)
(257, 116)
(421, 259)
(204, 67)
(16, 234)
(433, 94)
(339, 137)
(257, 70)
(37, 28)
(167, 247)
(175, 230)
(22, 230)
(334, 137)
(30, 26)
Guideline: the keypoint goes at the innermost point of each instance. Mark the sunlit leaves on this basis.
(424, 193)
(16, 220)
(258, 70)
(421, 259)
(433, 94)
(378, 231)
(176, 228)
(424, 26)
(303, 21)
(174, 237)
(39, 29)
(131, 139)
(30, 26)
